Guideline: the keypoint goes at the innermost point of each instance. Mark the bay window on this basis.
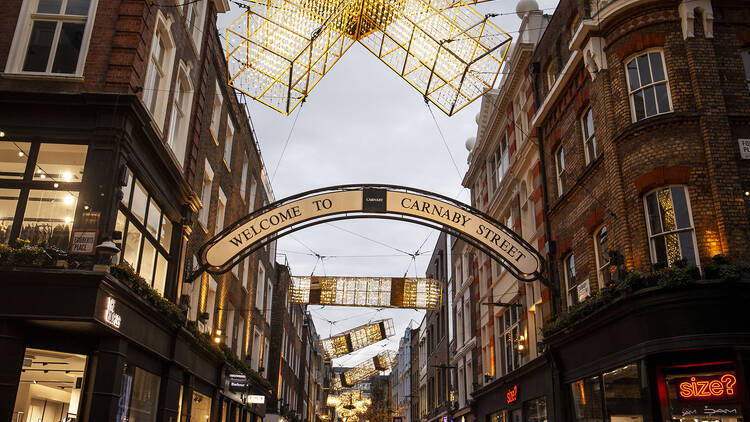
(52, 37)
(670, 226)
(648, 85)
(146, 234)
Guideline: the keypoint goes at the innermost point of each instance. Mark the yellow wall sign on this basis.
(358, 201)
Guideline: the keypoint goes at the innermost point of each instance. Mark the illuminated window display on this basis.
(49, 208)
(50, 386)
(146, 234)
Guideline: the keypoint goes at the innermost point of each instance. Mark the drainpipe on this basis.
(551, 281)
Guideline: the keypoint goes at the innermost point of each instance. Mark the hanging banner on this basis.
(278, 219)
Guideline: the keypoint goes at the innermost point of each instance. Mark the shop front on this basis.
(658, 355)
(88, 349)
(523, 395)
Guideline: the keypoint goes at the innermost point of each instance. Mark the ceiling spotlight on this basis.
(67, 176)
(2, 134)
(56, 185)
(20, 153)
(747, 193)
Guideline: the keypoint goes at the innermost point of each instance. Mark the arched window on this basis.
(669, 221)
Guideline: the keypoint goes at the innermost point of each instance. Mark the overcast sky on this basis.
(364, 124)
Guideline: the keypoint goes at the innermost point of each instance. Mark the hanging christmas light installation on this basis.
(380, 292)
(278, 50)
(362, 372)
(356, 338)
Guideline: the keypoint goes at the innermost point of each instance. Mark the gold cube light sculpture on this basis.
(365, 370)
(356, 338)
(278, 50)
(378, 292)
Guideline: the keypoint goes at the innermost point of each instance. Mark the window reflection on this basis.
(8, 202)
(146, 233)
(60, 163)
(13, 157)
(49, 217)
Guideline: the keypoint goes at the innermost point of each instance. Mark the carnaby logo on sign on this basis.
(373, 200)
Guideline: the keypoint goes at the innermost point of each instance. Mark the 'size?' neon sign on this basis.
(711, 387)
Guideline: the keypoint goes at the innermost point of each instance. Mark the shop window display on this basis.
(49, 207)
(200, 410)
(146, 234)
(50, 386)
(139, 395)
(535, 410)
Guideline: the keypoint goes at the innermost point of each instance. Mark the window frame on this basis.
(188, 10)
(651, 236)
(132, 220)
(588, 137)
(600, 268)
(228, 143)
(203, 216)
(185, 108)
(560, 176)
(572, 299)
(641, 88)
(216, 112)
(162, 92)
(745, 58)
(22, 36)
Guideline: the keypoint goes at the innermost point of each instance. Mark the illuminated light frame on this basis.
(356, 338)
(379, 292)
(383, 361)
(278, 50)
(708, 387)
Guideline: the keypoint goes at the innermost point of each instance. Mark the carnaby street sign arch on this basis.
(400, 203)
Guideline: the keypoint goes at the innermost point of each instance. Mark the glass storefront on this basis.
(200, 410)
(139, 395)
(50, 386)
(535, 410)
(615, 396)
(43, 179)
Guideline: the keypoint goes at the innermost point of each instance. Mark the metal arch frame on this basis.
(349, 215)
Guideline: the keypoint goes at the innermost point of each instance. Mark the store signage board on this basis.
(82, 242)
(512, 395)
(110, 316)
(237, 383)
(505, 246)
(708, 388)
(744, 148)
(254, 399)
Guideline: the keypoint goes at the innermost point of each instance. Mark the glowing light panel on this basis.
(362, 372)
(278, 50)
(379, 292)
(356, 338)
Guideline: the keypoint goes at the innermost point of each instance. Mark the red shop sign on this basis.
(512, 394)
(707, 388)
